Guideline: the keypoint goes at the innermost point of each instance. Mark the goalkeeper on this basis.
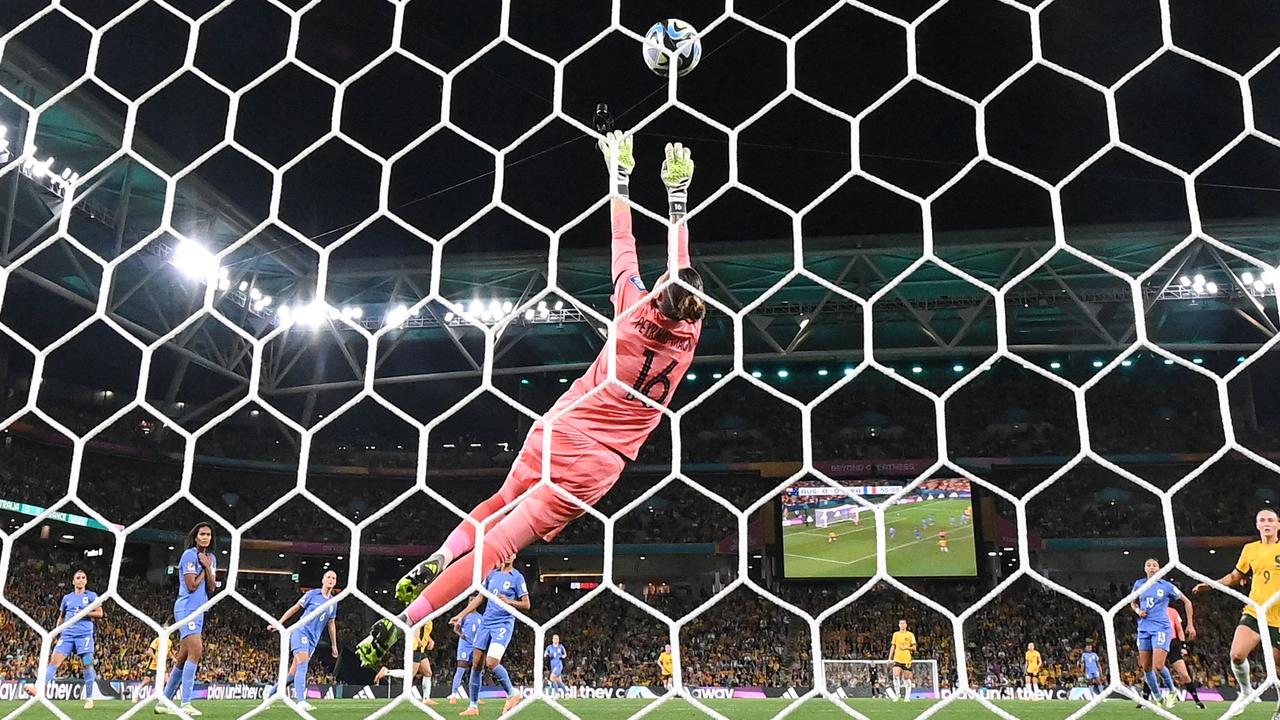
(591, 441)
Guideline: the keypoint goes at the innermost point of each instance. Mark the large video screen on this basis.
(827, 534)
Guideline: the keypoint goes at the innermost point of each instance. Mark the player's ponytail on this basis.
(680, 304)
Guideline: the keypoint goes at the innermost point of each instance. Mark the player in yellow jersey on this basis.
(1259, 565)
(664, 666)
(832, 536)
(422, 644)
(943, 544)
(152, 658)
(1032, 672)
(901, 649)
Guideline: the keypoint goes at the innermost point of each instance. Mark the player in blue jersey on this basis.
(197, 580)
(1092, 667)
(1155, 630)
(496, 627)
(466, 632)
(304, 638)
(77, 638)
(557, 654)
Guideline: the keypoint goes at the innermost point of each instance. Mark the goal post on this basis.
(828, 516)
(872, 678)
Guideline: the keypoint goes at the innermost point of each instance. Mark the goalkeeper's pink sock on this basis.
(463, 537)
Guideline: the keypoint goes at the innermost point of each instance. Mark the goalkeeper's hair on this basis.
(678, 303)
(1271, 510)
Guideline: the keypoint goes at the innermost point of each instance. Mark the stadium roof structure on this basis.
(860, 240)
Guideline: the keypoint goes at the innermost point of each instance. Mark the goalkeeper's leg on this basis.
(585, 470)
(526, 471)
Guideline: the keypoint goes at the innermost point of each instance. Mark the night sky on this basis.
(1045, 123)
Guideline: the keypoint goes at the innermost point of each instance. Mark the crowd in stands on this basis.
(742, 639)
(1005, 412)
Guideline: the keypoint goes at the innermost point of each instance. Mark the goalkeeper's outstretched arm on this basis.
(619, 159)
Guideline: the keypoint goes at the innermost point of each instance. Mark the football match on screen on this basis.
(621, 359)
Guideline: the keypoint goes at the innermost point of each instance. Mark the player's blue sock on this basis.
(503, 678)
(457, 680)
(476, 677)
(89, 677)
(188, 680)
(300, 681)
(1168, 678)
(1152, 684)
(50, 673)
(171, 685)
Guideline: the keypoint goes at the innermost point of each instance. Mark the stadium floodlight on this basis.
(255, 294)
(310, 315)
(691, 376)
(1211, 288)
(495, 308)
(783, 374)
(1126, 363)
(1168, 361)
(848, 371)
(506, 307)
(543, 312)
(448, 317)
(559, 305)
(475, 308)
(1271, 277)
(822, 372)
(1259, 286)
(357, 312)
(957, 367)
(284, 316)
(524, 381)
(756, 374)
(1098, 363)
(1198, 361)
(528, 314)
(1240, 358)
(1055, 365)
(716, 376)
(193, 260)
(1247, 277)
(41, 169)
(397, 315)
(1197, 280)
(1184, 281)
(916, 369)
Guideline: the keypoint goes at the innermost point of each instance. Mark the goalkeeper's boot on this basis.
(377, 644)
(409, 587)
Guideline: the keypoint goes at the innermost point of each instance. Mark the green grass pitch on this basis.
(672, 710)
(807, 553)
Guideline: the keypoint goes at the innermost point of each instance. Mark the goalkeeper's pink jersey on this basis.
(654, 352)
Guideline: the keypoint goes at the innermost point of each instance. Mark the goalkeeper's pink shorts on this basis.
(579, 465)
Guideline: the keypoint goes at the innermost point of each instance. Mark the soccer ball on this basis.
(668, 39)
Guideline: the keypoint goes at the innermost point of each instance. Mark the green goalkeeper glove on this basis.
(677, 173)
(618, 144)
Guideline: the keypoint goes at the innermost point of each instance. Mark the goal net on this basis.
(290, 328)
(874, 678)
